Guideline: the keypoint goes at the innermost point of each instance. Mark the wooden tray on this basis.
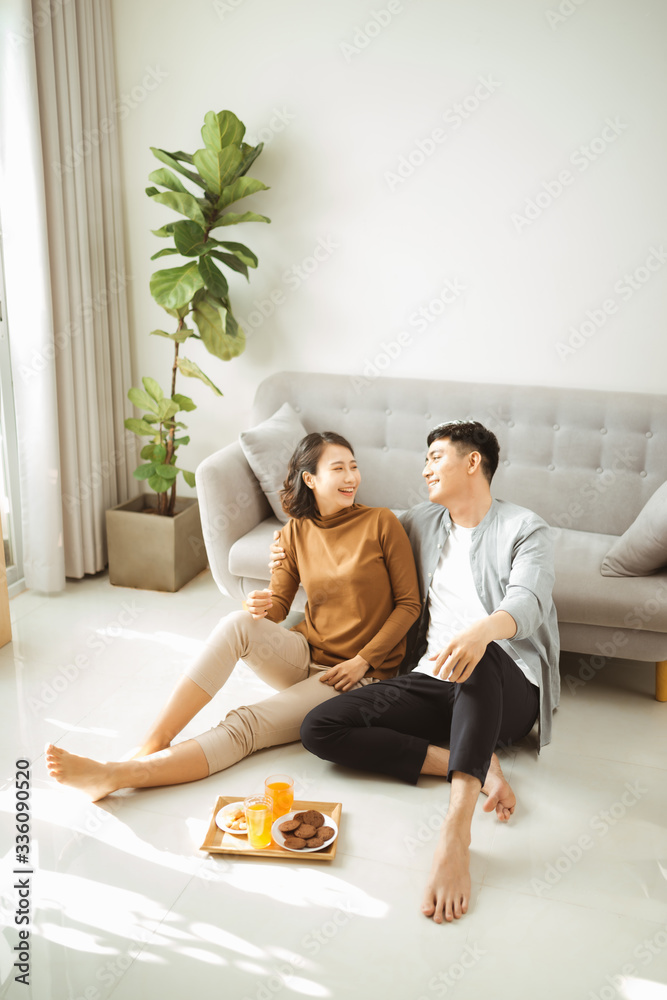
(217, 841)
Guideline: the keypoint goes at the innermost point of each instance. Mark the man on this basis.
(486, 654)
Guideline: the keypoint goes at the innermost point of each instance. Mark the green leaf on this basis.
(189, 477)
(190, 239)
(164, 230)
(159, 484)
(180, 155)
(153, 389)
(167, 409)
(151, 191)
(218, 167)
(184, 204)
(233, 219)
(174, 287)
(164, 253)
(167, 471)
(241, 188)
(179, 337)
(223, 129)
(142, 400)
(242, 252)
(218, 329)
(213, 277)
(250, 154)
(144, 471)
(147, 451)
(182, 440)
(166, 179)
(192, 370)
(141, 427)
(184, 402)
(169, 159)
(231, 261)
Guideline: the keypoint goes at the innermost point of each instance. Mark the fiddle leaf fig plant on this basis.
(194, 294)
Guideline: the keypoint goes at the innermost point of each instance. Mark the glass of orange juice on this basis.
(259, 818)
(280, 789)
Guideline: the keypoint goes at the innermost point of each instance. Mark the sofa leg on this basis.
(661, 680)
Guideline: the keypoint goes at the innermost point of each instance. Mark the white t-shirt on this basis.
(454, 603)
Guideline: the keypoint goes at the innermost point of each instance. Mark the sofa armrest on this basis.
(231, 503)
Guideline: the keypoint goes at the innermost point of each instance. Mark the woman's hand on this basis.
(346, 674)
(258, 602)
(277, 552)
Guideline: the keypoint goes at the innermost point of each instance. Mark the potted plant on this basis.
(164, 551)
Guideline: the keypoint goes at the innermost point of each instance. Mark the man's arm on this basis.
(459, 658)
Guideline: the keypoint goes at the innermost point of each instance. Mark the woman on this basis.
(358, 571)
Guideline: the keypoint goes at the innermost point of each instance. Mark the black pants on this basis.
(387, 727)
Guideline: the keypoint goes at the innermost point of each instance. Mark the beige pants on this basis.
(280, 658)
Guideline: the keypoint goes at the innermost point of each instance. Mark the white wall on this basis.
(345, 114)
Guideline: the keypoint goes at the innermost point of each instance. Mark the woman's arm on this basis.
(400, 566)
(285, 577)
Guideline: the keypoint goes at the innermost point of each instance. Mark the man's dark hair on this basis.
(297, 499)
(470, 435)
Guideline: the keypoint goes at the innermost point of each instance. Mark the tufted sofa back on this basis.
(582, 459)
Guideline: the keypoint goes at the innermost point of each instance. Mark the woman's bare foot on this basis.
(499, 791)
(448, 889)
(90, 776)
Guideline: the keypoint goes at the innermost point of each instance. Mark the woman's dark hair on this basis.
(297, 499)
(470, 435)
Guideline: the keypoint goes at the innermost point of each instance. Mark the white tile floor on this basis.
(570, 898)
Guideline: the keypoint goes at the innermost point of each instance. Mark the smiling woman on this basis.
(357, 568)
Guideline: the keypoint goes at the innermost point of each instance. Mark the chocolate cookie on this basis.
(306, 831)
(316, 842)
(313, 818)
(299, 816)
(296, 843)
(290, 825)
(326, 832)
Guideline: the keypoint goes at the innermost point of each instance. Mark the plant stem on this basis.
(172, 432)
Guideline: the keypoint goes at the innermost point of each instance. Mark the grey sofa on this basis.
(586, 461)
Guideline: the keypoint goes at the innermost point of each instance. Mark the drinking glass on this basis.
(279, 788)
(258, 815)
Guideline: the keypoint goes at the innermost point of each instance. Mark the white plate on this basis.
(280, 837)
(227, 812)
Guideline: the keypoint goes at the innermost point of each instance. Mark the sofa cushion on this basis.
(268, 448)
(643, 547)
(583, 596)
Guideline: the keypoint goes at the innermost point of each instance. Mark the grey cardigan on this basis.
(511, 557)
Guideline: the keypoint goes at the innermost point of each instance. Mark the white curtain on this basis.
(66, 281)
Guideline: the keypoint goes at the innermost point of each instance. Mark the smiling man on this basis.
(484, 658)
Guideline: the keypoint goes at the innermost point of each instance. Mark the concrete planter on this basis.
(151, 552)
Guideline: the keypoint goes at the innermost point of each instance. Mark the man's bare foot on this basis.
(499, 791)
(90, 776)
(448, 889)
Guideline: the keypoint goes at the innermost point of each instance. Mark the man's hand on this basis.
(277, 552)
(258, 603)
(459, 658)
(346, 674)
